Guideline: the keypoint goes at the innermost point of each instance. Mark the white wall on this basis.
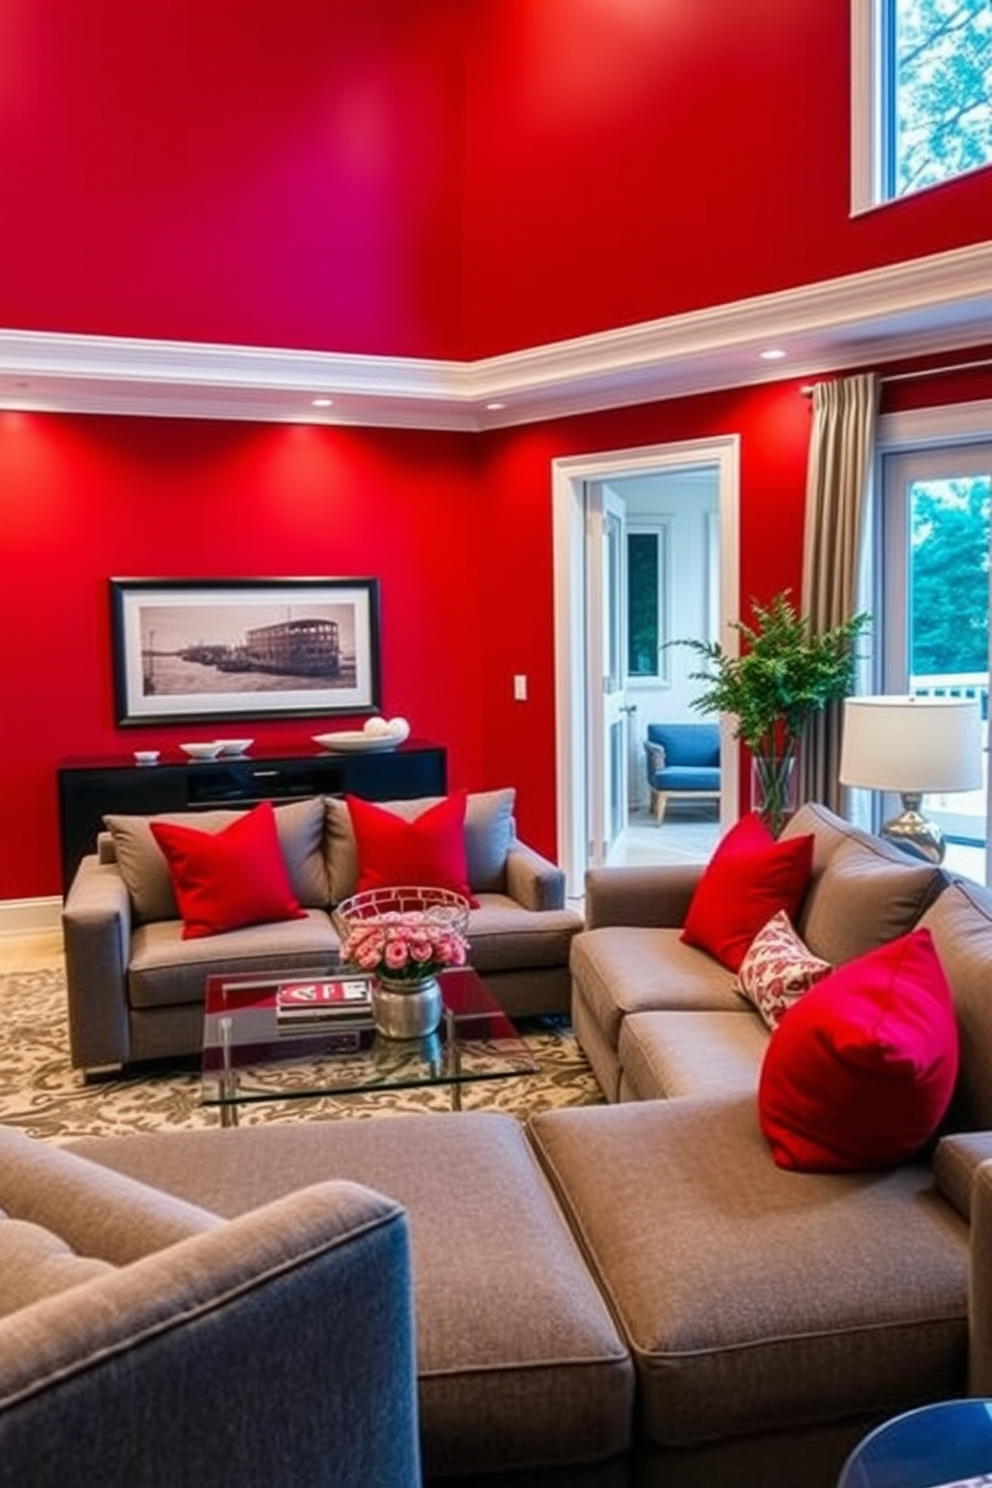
(687, 500)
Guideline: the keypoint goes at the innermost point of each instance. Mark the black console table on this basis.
(88, 789)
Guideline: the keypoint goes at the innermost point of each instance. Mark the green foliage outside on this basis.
(949, 605)
(942, 80)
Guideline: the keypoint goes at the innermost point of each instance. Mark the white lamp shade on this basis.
(912, 744)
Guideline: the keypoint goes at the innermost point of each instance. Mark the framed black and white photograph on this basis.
(190, 649)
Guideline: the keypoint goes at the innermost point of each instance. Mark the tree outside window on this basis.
(937, 87)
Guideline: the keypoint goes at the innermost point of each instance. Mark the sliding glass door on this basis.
(934, 602)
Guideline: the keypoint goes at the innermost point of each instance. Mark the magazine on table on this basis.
(331, 998)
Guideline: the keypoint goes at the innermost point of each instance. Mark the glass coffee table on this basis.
(250, 1056)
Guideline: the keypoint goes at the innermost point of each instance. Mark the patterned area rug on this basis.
(44, 1096)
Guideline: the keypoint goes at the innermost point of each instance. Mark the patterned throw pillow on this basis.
(777, 969)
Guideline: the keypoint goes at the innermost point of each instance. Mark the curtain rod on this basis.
(807, 388)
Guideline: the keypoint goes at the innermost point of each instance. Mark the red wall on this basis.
(85, 499)
(457, 528)
(441, 178)
(632, 161)
(233, 171)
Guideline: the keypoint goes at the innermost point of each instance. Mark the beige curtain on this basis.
(840, 456)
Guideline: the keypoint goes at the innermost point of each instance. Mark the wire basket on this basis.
(442, 907)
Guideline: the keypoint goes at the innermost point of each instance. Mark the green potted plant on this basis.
(784, 675)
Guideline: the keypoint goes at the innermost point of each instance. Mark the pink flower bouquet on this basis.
(403, 946)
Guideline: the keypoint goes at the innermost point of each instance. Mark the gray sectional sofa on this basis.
(136, 986)
(634, 1293)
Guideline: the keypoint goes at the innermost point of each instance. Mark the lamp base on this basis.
(913, 832)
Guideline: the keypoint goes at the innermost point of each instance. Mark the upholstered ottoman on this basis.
(521, 1369)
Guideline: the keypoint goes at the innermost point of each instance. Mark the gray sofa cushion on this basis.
(166, 970)
(518, 1360)
(669, 1054)
(631, 969)
(790, 1299)
(488, 834)
(300, 825)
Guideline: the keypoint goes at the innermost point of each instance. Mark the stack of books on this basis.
(330, 1000)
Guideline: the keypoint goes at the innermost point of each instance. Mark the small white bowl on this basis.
(201, 751)
(233, 746)
(147, 756)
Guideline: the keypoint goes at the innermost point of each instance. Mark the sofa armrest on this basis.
(980, 1285)
(655, 757)
(956, 1161)
(277, 1348)
(96, 930)
(646, 895)
(533, 880)
(96, 1211)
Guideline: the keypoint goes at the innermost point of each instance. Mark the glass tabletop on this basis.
(249, 1054)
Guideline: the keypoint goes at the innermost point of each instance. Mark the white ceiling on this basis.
(918, 307)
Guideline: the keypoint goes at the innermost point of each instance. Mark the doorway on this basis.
(598, 500)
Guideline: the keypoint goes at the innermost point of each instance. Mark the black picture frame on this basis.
(199, 650)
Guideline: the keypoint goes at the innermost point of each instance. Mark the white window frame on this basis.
(869, 117)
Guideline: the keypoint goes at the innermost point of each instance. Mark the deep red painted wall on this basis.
(458, 529)
(233, 171)
(85, 499)
(633, 161)
(441, 178)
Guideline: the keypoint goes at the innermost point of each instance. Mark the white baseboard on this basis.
(30, 916)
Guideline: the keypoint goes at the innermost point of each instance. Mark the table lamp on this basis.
(914, 746)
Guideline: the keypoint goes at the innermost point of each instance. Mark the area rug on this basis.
(45, 1097)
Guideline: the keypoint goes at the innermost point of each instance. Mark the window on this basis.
(647, 603)
(933, 603)
(921, 94)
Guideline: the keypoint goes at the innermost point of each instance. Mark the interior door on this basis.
(606, 609)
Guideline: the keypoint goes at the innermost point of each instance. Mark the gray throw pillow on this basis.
(299, 824)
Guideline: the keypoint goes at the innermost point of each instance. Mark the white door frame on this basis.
(568, 478)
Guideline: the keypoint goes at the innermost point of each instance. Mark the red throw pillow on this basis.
(750, 877)
(427, 852)
(223, 880)
(861, 1072)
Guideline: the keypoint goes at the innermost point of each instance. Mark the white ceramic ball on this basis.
(376, 728)
(398, 728)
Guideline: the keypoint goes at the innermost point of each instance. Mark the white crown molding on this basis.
(917, 307)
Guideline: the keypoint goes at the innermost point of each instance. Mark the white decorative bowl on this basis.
(146, 756)
(356, 741)
(201, 751)
(233, 746)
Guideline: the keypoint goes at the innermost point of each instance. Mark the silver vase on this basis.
(406, 1009)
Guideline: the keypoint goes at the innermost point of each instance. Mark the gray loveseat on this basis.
(135, 986)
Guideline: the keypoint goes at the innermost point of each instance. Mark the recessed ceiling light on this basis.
(773, 354)
(495, 406)
(322, 402)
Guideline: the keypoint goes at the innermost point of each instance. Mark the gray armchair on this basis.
(683, 761)
(148, 1343)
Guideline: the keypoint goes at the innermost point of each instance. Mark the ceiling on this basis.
(920, 307)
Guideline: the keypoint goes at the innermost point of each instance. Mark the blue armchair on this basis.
(683, 760)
